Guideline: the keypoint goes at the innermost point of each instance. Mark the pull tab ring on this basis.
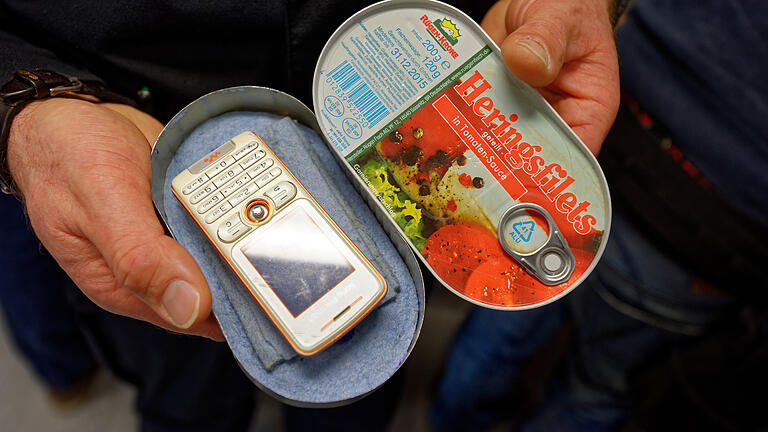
(551, 263)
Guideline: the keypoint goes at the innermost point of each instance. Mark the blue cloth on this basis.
(32, 295)
(375, 348)
(700, 67)
(588, 395)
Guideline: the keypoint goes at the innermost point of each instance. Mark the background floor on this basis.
(109, 403)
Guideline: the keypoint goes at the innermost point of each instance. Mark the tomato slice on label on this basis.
(503, 282)
(454, 251)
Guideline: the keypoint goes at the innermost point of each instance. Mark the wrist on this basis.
(26, 86)
(21, 135)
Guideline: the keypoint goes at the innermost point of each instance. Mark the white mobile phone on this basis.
(306, 274)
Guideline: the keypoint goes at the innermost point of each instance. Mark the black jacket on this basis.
(180, 50)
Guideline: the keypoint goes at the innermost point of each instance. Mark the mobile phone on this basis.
(307, 275)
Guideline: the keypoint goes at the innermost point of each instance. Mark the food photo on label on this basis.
(419, 103)
(435, 185)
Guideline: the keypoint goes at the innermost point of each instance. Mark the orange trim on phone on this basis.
(285, 336)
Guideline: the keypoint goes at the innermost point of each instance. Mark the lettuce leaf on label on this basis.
(405, 212)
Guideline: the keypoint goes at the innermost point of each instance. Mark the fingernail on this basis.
(182, 302)
(537, 49)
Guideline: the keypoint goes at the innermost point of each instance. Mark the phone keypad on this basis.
(231, 229)
(202, 193)
(246, 149)
(281, 193)
(210, 202)
(218, 212)
(252, 158)
(235, 185)
(196, 183)
(219, 166)
(229, 176)
(243, 193)
(260, 168)
(268, 177)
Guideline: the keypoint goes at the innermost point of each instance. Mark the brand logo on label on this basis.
(524, 231)
(212, 157)
(448, 29)
(444, 32)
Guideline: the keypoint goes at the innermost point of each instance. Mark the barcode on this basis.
(359, 94)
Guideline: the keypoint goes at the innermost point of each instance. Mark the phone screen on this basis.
(297, 260)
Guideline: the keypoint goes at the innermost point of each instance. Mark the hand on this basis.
(84, 172)
(566, 50)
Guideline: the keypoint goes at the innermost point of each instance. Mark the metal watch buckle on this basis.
(74, 85)
(31, 91)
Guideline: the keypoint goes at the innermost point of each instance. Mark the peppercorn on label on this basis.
(421, 106)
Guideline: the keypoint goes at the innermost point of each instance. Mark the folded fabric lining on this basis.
(304, 153)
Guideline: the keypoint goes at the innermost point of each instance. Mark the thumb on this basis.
(536, 46)
(162, 274)
(123, 226)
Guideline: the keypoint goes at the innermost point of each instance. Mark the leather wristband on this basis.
(26, 86)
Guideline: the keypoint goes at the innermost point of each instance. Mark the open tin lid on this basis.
(494, 192)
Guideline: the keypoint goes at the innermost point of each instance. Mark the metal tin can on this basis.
(278, 383)
(496, 194)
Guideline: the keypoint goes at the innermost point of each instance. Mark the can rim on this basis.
(277, 102)
(387, 5)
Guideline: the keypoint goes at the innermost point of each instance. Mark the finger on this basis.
(121, 223)
(538, 41)
(494, 21)
(154, 267)
(86, 267)
(128, 303)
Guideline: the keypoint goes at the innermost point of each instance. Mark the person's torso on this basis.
(700, 68)
(182, 50)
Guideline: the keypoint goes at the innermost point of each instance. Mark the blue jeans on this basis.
(184, 383)
(636, 300)
(32, 296)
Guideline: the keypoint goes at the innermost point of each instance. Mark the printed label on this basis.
(427, 115)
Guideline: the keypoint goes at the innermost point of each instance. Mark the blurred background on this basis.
(107, 404)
